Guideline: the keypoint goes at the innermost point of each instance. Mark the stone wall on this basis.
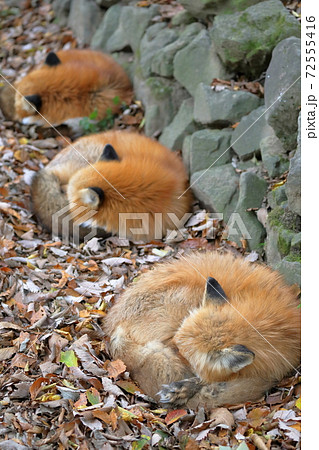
(236, 146)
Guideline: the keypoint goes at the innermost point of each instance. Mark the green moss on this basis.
(293, 258)
(275, 217)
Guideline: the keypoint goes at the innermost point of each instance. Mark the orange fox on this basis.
(71, 84)
(188, 340)
(110, 177)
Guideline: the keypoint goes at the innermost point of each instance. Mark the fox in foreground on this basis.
(112, 173)
(70, 85)
(188, 339)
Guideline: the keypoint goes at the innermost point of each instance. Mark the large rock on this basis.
(274, 156)
(132, 25)
(222, 107)
(106, 28)
(293, 185)
(283, 236)
(290, 270)
(216, 187)
(249, 133)
(283, 91)
(182, 125)
(84, 19)
(162, 61)
(244, 41)
(61, 10)
(161, 98)
(209, 148)
(252, 190)
(203, 9)
(198, 62)
(156, 38)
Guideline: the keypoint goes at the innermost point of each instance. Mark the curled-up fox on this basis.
(207, 329)
(118, 181)
(70, 85)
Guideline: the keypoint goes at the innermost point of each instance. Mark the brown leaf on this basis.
(175, 415)
(221, 416)
(7, 352)
(115, 368)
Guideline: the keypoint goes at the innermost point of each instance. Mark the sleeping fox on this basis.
(70, 85)
(206, 330)
(105, 180)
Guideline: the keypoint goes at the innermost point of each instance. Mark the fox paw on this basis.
(179, 392)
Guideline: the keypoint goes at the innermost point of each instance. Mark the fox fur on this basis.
(111, 173)
(224, 344)
(71, 84)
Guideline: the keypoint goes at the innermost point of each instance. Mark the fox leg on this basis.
(151, 364)
(193, 392)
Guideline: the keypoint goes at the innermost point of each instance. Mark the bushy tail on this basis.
(50, 204)
(48, 200)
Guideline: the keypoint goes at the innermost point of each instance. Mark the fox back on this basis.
(213, 329)
(126, 183)
(71, 84)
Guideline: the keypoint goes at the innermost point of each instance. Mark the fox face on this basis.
(71, 84)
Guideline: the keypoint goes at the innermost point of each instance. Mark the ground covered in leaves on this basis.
(59, 387)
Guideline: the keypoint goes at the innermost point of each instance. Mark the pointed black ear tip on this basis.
(52, 59)
(35, 100)
(214, 291)
(109, 154)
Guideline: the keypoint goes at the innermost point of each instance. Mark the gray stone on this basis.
(161, 98)
(198, 62)
(209, 148)
(156, 38)
(61, 10)
(291, 271)
(127, 61)
(277, 196)
(186, 152)
(244, 40)
(252, 190)
(84, 19)
(215, 187)
(203, 9)
(132, 25)
(250, 131)
(106, 28)
(274, 156)
(226, 106)
(162, 62)
(183, 124)
(283, 236)
(283, 91)
(293, 185)
(182, 18)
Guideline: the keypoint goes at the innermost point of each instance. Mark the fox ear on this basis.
(231, 359)
(52, 59)
(92, 196)
(214, 292)
(35, 100)
(109, 154)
